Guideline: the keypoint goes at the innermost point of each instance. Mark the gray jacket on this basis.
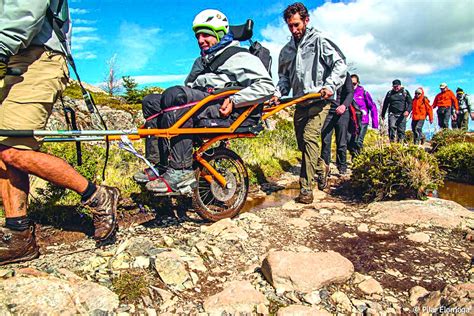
(312, 65)
(24, 23)
(242, 68)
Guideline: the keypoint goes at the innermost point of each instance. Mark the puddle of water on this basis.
(274, 199)
(461, 193)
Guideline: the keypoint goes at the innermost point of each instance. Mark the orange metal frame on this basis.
(222, 133)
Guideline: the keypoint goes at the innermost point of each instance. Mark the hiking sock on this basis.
(18, 223)
(91, 188)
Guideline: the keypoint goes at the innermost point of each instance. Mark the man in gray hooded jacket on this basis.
(211, 29)
(309, 63)
(28, 43)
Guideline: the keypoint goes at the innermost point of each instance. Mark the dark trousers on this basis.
(356, 141)
(397, 124)
(444, 115)
(462, 121)
(178, 153)
(154, 146)
(338, 123)
(417, 127)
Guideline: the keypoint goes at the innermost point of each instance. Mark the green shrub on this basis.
(458, 160)
(395, 172)
(130, 285)
(446, 137)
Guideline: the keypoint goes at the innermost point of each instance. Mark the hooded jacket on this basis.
(24, 23)
(312, 64)
(446, 99)
(366, 105)
(243, 69)
(421, 108)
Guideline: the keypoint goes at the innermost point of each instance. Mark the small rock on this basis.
(348, 235)
(416, 293)
(364, 228)
(239, 297)
(141, 262)
(298, 222)
(342, 301)
(358, 278)
(370, 286)
(419, 237)
(312, 298)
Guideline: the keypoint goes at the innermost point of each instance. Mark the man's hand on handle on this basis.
(326, 93)
(226, 108)
(274, 100)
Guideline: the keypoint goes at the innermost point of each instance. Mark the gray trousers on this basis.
(397, 124)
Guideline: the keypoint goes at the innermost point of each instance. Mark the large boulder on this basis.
(305, 271)
(437, 212)
(33, 292)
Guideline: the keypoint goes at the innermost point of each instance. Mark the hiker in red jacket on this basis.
(421, 109)
(445, 101)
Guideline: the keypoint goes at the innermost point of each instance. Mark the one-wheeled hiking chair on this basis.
(222, 178)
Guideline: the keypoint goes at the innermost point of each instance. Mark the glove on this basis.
(3, 69)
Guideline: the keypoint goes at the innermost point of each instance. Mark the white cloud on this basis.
(137, 45)
(85, 55)
(83, 29)
(391, 39)
(84, 21)
(78, 11)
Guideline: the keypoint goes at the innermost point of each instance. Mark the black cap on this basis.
(396, 82)
(459, 90)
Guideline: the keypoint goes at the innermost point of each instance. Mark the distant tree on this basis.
(132, 95)
(135, 95)
(112, 83)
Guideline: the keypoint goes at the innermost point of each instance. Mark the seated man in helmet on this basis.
(243, 69)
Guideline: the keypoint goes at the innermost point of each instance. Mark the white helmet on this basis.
(212, 20)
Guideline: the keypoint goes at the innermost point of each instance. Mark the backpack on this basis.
(255, 49)
(356, 116)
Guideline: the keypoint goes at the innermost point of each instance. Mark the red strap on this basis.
(166, 183)
(173, 108)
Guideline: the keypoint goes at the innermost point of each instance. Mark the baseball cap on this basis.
(443, 85)
(396, 82)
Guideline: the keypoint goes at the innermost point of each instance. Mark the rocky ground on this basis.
(335, 256)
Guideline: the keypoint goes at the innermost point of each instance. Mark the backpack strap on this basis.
(220, 59)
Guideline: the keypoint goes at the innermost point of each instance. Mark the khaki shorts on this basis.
(27, 100)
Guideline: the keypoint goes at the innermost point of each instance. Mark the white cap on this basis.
(443, 85)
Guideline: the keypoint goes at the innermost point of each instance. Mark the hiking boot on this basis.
(323, 178)
(147, 175)
(173, 181)
(305, 197)
(17, 246)
(103, 205)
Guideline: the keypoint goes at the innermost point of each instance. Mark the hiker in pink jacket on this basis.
(366, 105)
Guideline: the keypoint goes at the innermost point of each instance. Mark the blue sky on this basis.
(421, 42)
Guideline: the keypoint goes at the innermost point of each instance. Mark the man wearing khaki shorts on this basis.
(28, 43)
